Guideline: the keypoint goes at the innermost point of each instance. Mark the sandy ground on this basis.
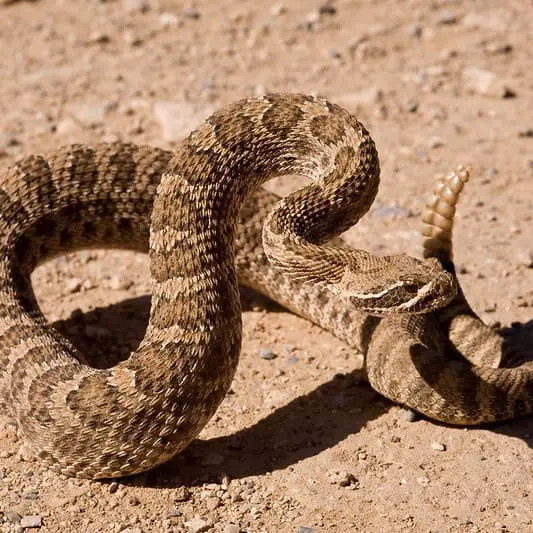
(300, 445)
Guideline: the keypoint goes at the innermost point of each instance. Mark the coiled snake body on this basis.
(107, 423)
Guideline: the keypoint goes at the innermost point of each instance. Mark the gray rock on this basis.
(485, 82)
(177, 119)
(267, 353)
(67, 126)
(12, 517)
(117, 283)
(136, 5)
(342, 478)
(446, 17)
(191, 13)
(168, 19)
(32, 495)
(408, 415)
(197, 525)
(276, 10)
(182, 494)
(98, 37)
(438, 446)
(73, 285)
(525, 257)
(31, 521)
(93, 114)
(435, 142)
(369, 96)
(8, 139)
(498, 47)
(411, 106)
(306, 529)
(415, 30)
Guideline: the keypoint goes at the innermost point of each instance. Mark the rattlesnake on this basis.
(130, 418)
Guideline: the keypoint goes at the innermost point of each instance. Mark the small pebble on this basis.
(117, 283)
(8, 139)
(232, 528)
(486, 83)
(212, 503)
(408, 415)
(526, 258)
(327, 9)
(178, 118)
(12, 517)
(276, 10)
(191, 13)
(498, 47)
(411, 106)
(438, 446)
(73, 285)
(372, 95)
(435, 142)
(267, 353)
(342, 478)
(168, 19)
(135, 5)
(31, 521)
(91, 115)
(197, 525)
(113, 487)
(447, 17)
(182, 494)
(306, 529)
(528, 132)
(98, 37)
(415, 30)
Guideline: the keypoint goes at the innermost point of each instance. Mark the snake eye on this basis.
(411, 287)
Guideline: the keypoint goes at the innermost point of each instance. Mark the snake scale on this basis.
(207, 225)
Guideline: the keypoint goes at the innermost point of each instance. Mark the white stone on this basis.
(484, 82)
(197, 525)
(177, 119)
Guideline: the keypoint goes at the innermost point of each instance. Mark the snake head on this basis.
(397, 284)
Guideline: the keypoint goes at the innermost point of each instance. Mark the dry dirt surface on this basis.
(301, 444)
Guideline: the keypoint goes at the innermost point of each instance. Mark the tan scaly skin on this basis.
(136, 415)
